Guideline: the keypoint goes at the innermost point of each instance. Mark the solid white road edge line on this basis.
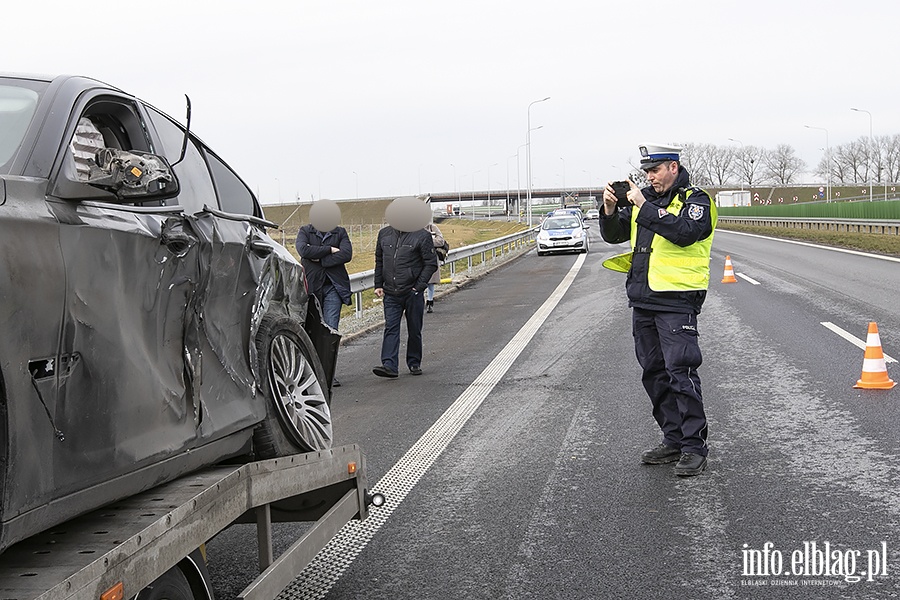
(330, 563)
(853, 339)
(844, 250)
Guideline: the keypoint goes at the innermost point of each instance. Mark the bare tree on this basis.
(721, 161)
(747, 162)
(783, 164)
(892, 158)
(695, 158)
(857, 157)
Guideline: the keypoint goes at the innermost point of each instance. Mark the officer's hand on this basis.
(634, 195)
(609, 200)
(379, 292)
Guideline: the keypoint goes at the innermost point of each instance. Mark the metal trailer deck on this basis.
(136, 540)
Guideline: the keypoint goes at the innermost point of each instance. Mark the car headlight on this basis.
(578, 234)
(543, 236)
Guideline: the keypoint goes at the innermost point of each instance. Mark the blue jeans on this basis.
(413, 305)
(331, 307)
(430, 293)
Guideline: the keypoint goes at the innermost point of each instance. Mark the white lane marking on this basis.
(745, 277)
(852, 339)
(331, 562)
(844, 250)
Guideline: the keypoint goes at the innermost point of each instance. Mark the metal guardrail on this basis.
(365, 280)
(880, 226)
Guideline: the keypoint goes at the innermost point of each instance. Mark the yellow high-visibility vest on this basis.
(672, 268)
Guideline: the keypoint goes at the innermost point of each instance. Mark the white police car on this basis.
(562, 233)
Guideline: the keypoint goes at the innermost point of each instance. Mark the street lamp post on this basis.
(489, 189)
(590, 191)
(518, 187)
(564, 178)
(473, 193)
(456, 184)
(742, 158)
(528, 158)
(516, 156)
(827, 162)
(357, 184)
(871, 143)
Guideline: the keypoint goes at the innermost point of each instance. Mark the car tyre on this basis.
(292, 379)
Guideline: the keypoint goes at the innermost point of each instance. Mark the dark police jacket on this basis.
(684, 229)
(320, 264)
(404, 261)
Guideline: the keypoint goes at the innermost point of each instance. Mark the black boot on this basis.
(429, 306)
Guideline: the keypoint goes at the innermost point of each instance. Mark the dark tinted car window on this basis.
(193, 175)
(18, 101)
(234, 196)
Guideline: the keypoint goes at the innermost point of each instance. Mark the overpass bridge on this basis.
(509, 199)
(515, 200)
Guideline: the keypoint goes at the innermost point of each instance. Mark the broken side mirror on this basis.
(120, 176)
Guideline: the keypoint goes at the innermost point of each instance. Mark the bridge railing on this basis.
(489, 250)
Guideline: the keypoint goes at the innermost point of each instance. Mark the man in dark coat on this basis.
(404, 262)
(325, 249)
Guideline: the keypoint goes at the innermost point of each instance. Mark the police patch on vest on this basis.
(695, 212)
(662, 213)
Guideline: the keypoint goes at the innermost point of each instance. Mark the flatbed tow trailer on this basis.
(119, 550)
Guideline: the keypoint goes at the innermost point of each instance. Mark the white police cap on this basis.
(656, 154)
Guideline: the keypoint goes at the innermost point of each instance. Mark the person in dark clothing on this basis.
(325, 249)
(670, 225)
(404, 262)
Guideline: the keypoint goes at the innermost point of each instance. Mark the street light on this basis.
(456, 186)
(516, 156)
(742, 157)
(528, 158)
(473, 193)
(872, 143)
(827, 162)
(564, 178)
(489, 189)
(518, 187)
(590, 191)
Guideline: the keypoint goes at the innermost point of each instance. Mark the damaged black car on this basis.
(150, 326)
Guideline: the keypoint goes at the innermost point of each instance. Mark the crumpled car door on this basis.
(129, 314)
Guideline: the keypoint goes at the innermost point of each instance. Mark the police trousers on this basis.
(667, 348)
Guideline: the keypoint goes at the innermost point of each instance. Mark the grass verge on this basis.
(888, 245)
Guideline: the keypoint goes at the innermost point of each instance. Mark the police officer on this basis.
(670, 225)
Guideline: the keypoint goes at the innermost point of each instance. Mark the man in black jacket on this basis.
(670, 225)
(404, 262)
(325, 249)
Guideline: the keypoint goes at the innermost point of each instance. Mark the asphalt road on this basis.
(512, 465)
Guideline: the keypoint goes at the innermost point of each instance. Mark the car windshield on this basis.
(561, 223)
(18, 101)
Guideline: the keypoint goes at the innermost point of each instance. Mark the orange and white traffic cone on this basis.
(874, 372)
(729, 272)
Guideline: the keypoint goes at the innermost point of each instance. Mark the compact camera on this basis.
(621, 189)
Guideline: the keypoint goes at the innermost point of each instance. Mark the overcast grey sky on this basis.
(333, 99)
